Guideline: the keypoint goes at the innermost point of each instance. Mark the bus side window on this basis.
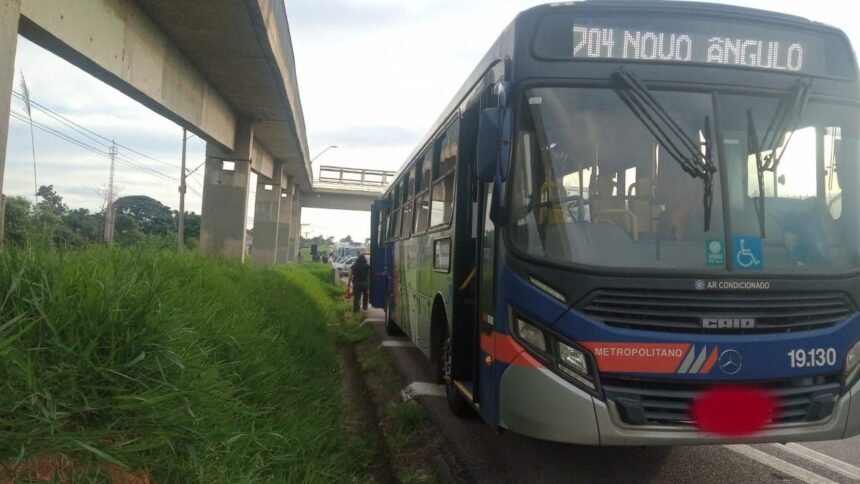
(394, 226)
(408, 196)
(444, 170)
(422, 199)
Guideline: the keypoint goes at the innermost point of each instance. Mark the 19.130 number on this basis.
(812, 358)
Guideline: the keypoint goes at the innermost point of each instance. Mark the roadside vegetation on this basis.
(139, 365)
(49, 222)
(413, 443)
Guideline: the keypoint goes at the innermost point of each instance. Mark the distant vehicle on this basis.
(344, 265)
(349, 249)
(630, 219)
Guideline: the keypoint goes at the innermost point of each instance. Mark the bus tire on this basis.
(456, 401)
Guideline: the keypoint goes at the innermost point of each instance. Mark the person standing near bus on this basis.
(359, 277)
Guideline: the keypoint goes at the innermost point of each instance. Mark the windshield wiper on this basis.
(766, 157)
(788, 112)
(686, 150)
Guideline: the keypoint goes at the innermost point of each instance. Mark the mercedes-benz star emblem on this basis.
(730, 362)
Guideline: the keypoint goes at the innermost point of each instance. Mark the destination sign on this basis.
(609, 43)
(737, 42)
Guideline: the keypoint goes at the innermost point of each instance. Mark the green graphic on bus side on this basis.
(715, 252)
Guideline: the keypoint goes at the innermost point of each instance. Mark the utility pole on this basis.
(181, 234)
(110, 210)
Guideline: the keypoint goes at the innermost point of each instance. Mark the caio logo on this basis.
(728, 323)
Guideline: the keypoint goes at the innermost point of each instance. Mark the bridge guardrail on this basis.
(355, 176)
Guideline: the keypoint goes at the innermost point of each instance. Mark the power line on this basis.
(58, 134)
(63, 120)
(196, 168)
(128, 161)
(107, 143)
(200, 185)
(123, 160)
(171, 165)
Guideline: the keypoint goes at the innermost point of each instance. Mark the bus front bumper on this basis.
(538, 403)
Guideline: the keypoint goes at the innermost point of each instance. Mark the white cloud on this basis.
(373, 75)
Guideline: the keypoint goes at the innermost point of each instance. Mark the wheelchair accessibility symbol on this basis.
(748, 253)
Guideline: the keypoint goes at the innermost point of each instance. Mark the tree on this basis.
(192, 228)
(127, 231)
(50, 227)
(51, 200)
(85, 225)
(348, 238)
(151, 216)
(18, 222)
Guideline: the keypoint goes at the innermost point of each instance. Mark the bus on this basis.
(344, 250)
(636, 219)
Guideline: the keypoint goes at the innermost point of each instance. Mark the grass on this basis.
(412, 440)
(405, 419)
(374, 362)
(185, 368)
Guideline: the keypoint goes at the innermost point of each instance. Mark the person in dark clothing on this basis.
(359, 277)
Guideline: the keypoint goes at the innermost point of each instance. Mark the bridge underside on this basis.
(223, 69)
(339, 199)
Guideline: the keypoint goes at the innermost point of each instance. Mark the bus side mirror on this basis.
(488, 144)
(505, 144)
(494, 144)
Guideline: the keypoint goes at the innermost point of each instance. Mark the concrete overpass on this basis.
(223, 69)
(347, 188)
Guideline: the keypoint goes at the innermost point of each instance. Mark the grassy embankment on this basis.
(175, 369)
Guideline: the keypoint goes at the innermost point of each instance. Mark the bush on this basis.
(190, 369)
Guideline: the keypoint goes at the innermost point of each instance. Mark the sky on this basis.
(373, 76)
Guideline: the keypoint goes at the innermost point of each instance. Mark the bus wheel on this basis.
(391, 328)
(456, 401)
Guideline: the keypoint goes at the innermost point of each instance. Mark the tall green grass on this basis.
(194, 370)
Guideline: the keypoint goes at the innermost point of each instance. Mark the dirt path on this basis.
(361, 405)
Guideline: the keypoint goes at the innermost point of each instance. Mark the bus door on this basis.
(378, 254)
(486, 307)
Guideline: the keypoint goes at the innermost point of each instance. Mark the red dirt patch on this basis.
(61, 468)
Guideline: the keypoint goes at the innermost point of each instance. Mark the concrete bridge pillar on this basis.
(225, 197)
(295, 225)
(267, 209)
(285, 215)
(10, 13)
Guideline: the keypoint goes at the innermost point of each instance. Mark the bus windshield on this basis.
(592, 185)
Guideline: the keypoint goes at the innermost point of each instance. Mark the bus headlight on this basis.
(573, 358)
(573, 363)
(852, 362)
(531, 335)
(565, 358)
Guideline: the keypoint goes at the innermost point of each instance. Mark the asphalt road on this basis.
(485, 456)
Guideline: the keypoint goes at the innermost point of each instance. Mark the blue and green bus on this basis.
(628, 209)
